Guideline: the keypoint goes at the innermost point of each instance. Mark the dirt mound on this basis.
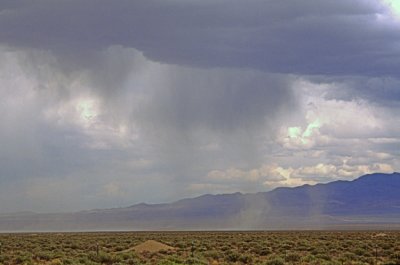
(152, 246)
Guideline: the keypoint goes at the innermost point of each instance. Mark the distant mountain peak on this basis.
(364, 202)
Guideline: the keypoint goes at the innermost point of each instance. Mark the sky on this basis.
(108, 104)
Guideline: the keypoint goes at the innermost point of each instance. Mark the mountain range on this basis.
(368, 202)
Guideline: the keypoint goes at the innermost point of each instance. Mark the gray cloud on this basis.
(229, 112)
(305, 37)
(116, 133)
(379, 90)
(219, 100)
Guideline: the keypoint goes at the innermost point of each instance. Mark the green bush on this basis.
(195, 261)
(212, 254)
(232, 256)
(275, 261)
(246, 259)
(292, 257)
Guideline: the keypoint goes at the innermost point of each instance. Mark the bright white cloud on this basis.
(87, 115)
(273, 175)
(394, 5)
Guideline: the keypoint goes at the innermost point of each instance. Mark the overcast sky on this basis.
(113, 103)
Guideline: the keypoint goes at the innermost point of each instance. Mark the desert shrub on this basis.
(168, 262)
(275, 261)
(292, 257)
(315, 251)
(232, 256)
(212, 254)
(324, 257)
(308, 259)
(287, 246)
(349, 256)
(225, 248)
(130, 255)
(103, 258)
(174, 259)
(395, 256)
(180, 245)
(330, 248)
(246, 259)
(74, 246)
(56, 262)
(195, 261)
(85, 260)
(119, 248)
(261, 251)
(360, 252)
(23, 259)
(386, 246)
(44, 255)
(68, 261)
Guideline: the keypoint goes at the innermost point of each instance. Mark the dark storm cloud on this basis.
(219, 100)
(304, 37)
(381, 90)
(228, 111)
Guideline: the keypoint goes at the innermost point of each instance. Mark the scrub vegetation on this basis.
(164, 248)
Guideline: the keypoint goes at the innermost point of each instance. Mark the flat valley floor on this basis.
(239, 247)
